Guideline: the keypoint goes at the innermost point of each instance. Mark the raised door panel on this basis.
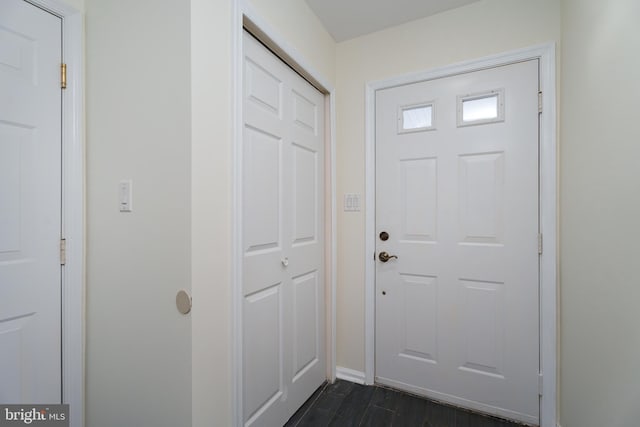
(263, 210)
(481, 190)
(419, 314)
(18, 55)
(263, 191)
(306, 326)
(483, 342)
(305, 196)
(263, 359)
(263, 89)
(419, 199)
(305, 112)
(17, 361)
(12, 140)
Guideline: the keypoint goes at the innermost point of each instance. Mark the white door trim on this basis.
(548, 208)
(245, 16)
(73, 319)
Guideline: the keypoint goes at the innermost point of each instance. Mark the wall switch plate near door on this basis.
(352, 202)
(125, 194)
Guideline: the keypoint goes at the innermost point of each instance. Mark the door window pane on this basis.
(481, 108)
(416, 118)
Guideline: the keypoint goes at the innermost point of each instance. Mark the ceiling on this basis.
(347, 19)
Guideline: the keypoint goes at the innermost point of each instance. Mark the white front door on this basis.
(457, 193)
(30, 204)
(283, 244)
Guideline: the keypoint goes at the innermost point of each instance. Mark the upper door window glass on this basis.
(481, 108)
(415, 118)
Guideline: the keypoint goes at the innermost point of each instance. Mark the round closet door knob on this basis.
(183, 301)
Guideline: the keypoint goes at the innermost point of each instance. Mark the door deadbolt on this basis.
(384, 236)
(384, 257)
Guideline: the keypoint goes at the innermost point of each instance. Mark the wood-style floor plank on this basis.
(345, 404)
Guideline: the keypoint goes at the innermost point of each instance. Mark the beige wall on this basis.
(299, 26)
(211, 169)
(138, 356)
(77, 4)
(600, 203)
(163, 118)
(480, 29)
(159, 92)
(211, 210)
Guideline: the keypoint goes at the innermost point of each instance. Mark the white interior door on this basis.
(283, 277)
(30, 204)
(457, 192)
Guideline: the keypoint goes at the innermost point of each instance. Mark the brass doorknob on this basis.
(384, 257)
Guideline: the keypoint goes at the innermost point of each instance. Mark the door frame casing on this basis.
(244, 16)
(547, 207)
(73, 287)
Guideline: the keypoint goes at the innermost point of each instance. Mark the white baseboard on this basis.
(350, 375)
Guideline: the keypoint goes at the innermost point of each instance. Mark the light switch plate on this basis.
(125, 195)
(352, 202)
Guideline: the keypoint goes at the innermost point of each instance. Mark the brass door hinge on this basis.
(63, 251)
(63, 76)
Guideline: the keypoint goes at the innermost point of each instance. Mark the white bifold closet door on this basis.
(282, 238)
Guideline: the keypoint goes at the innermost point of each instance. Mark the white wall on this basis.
(138, 360)
(600, 203)
(480, 29)
(211, 169)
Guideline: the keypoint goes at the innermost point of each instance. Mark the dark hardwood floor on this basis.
(347, 404)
